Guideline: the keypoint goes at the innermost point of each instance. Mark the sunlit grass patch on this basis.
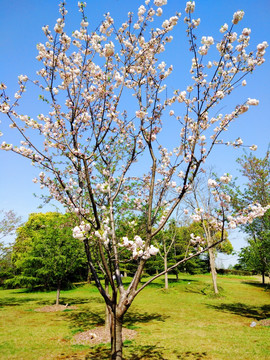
(184, 322)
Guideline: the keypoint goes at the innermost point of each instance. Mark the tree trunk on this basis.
(58, 292)
(263, 277)
(89, 274)
(116, 337)
(213, 269)
(107, 309)
(166, 274)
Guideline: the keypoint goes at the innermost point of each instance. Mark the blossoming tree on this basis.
(9, 221)
(211, 206)
(102, 155)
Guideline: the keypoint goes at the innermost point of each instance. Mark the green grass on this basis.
(185, 322)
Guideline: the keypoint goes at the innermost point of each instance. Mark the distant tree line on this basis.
(46, 256)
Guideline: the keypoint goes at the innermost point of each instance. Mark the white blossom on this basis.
(252, 102)
(160, 2)
(237, 16)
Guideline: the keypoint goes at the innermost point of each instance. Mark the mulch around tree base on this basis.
(265, 322)
(53, 308)
(100, 335)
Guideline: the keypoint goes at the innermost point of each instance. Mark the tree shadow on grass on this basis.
(254, 312)
(86, 319)
(130, 352)
(70, 301)
(192, 355)
(99, 352)
(78, 300)
(153, 285)
(257, 284)
(184, 280)
(134, 317)
(142, 352)
(180, 281)
(160, 284)
(14, 301)
(203, 289)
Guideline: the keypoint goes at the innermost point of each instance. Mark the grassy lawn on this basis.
(185, 322)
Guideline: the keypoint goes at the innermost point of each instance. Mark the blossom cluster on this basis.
(197, 242)
(105, 232)
(80, 232)
(137, 246)
(216, 213)
(246, 215)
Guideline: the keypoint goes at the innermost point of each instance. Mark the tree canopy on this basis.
(45, 252)
(256, 171)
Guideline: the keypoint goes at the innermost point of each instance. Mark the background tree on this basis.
(166, 240)
(256, 256)
(6, 267)
(174, 244)
(183, 248)
(106, 110)
(9, 221)
(208, 204)
(45, 252)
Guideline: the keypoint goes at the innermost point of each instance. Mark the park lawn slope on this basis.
(185, 322)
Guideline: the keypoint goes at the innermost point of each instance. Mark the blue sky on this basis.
(20, 26)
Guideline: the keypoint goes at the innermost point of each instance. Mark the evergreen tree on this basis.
(45, 252)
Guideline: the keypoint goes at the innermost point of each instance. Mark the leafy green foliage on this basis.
(45, 252)
(256, 256)
(179, 236)
(6, 266)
